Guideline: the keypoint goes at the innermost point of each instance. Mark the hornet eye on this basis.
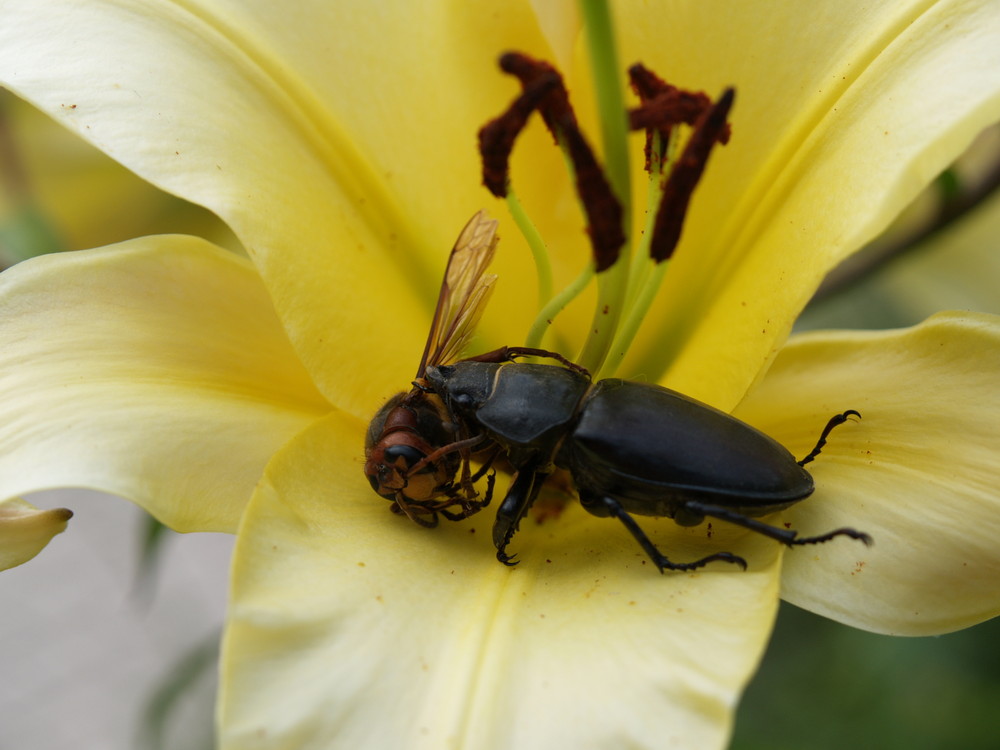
(407, 452)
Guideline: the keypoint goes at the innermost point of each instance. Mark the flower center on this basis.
(673, 171)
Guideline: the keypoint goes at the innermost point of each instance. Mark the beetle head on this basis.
(464, 386)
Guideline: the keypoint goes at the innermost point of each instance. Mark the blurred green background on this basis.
(824, 686)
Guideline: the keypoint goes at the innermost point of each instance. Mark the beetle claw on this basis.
(508, 560)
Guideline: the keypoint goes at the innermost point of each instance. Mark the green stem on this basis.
(611, 284)
(610, 97)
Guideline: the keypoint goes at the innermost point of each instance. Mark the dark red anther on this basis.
(543, 89)
(669, 109)
(604, 212)
(663, 107)
(710, 128)
(555, 109)
(646, 84)
(496, 138)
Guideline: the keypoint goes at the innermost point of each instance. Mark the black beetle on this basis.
(629, 447)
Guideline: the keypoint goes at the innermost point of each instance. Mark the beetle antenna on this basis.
(839, 419)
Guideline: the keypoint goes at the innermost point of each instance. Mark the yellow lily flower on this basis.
(228, 394)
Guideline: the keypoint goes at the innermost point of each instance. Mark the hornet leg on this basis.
(510, 353)
(470, 507)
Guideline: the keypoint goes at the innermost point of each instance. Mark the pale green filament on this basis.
(636, 315)
(647, 274)
(654, 192)
(611, 283)
(556, 305)
(549, 306)
(540, 254)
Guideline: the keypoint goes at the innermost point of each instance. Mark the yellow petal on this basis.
(63, 194)
(352, 627)
(339, 145)
(560, 21)
(844, 111)
(919, 472)
(154, 369)
(25, 530)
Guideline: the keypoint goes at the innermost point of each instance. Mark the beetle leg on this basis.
(612, 507)
(834, 421)
(520, 496)
(785, 536)
(789, 537)
(845, 531)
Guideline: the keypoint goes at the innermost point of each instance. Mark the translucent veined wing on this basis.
(464, 292)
